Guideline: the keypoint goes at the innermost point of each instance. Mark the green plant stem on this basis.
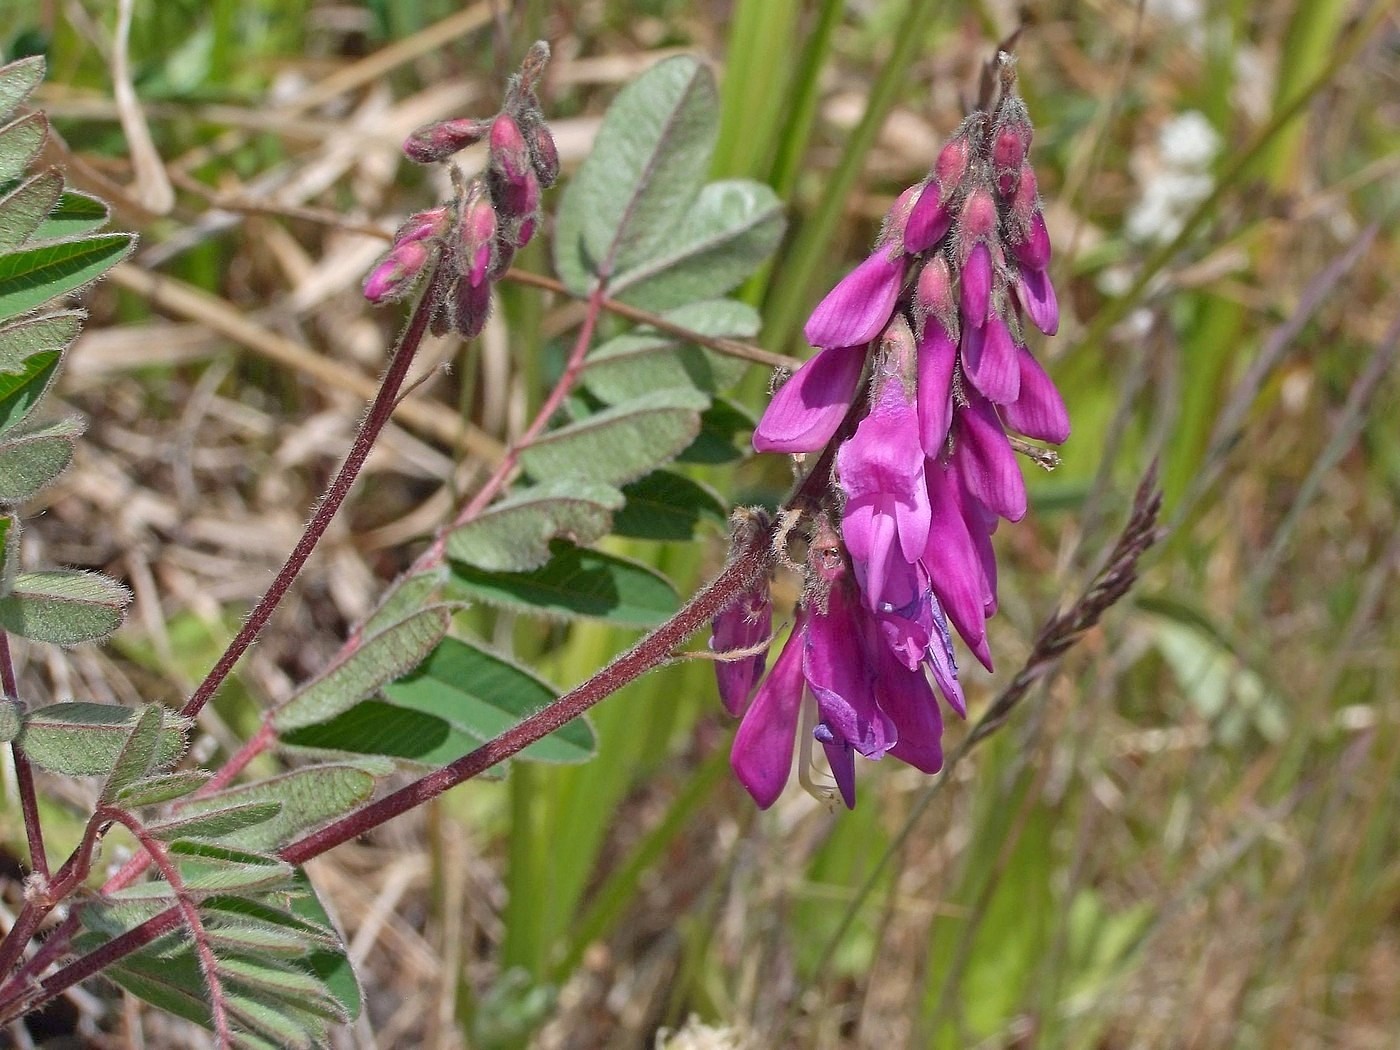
(24, 772)
(374, 422)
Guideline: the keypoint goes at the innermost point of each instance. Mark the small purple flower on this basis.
(989, 361)
(745, 625)
(396, 273)
(762, 753)
(807, 409)
(986, 462)
(857, 309)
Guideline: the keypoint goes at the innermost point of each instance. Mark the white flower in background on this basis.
(1176, 180)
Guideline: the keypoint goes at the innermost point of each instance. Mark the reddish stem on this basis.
(380, 411)
(24, 772)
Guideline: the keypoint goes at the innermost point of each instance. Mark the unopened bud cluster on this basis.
(935, 318)
(491, 215)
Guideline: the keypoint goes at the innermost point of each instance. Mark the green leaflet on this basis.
(163, 787)
(217, 823)
(20, 143)
(36, 335)
(514, 534)
(645, 360)
(82, 739)
(306, 798)
(138, 753)
(576, 582)
(380, 658)
(647, 165)
(63, 607)
(484, 694)
(31, 277)
(725, 235)
(17, 80)
(667, 506)
(206, 868)
(621, 443)
(32, 458)
(75, 214)
(374, 727)
(25, 208)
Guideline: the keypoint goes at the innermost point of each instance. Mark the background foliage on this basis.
(1188, 838)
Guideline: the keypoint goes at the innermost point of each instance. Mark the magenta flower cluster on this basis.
(935, 321)
(490, 217)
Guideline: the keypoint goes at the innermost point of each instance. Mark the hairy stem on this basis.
(24, 772)
(380, 411)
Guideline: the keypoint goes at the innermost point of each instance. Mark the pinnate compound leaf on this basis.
(645, 360)
(647, 165)
(17, 80)
(484, 694)
(35, 335)
(31, 277)
(81, 739)
(576, 582)
(75, 215)
(305, 798)
(216, 823)
(32, 457)
(380, 658)
(20, 143)
(152, 791)
(726, 234)
(619, 444)
(138, 753)
(25, 208)
(513, 535)
(63, 606)
(667, 506)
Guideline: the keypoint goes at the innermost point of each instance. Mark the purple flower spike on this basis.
(986, 462)
(762, 754)
(808, 408)
(938, 353)
(976, 291)
(989, 359)
(929, 220)
(1037, 297)
(745, 624)
(857, 309)
(1039, 412)
(955, 565)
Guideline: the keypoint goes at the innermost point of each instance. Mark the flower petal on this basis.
(857, 309)
(1037, 297)
(986, 462)
(928, 220)
(1039, 410)
(937, 354)
(842, 761)
(976, 286)
(954, 564)
(762, 754)
(745, 624)
(989, 359)
(906, 696)
(808, 408)
(835, 665)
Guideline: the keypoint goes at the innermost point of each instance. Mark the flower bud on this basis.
(471, 305)
(953, 160)
(394, 275)
(424, 225)
(892, 229)
(476, 234)
(747, 624)
(1033, 249)
(1011, 140)
(933, 295)
(544, 155)
(929, 220)
(438, 141)
(510, 156)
